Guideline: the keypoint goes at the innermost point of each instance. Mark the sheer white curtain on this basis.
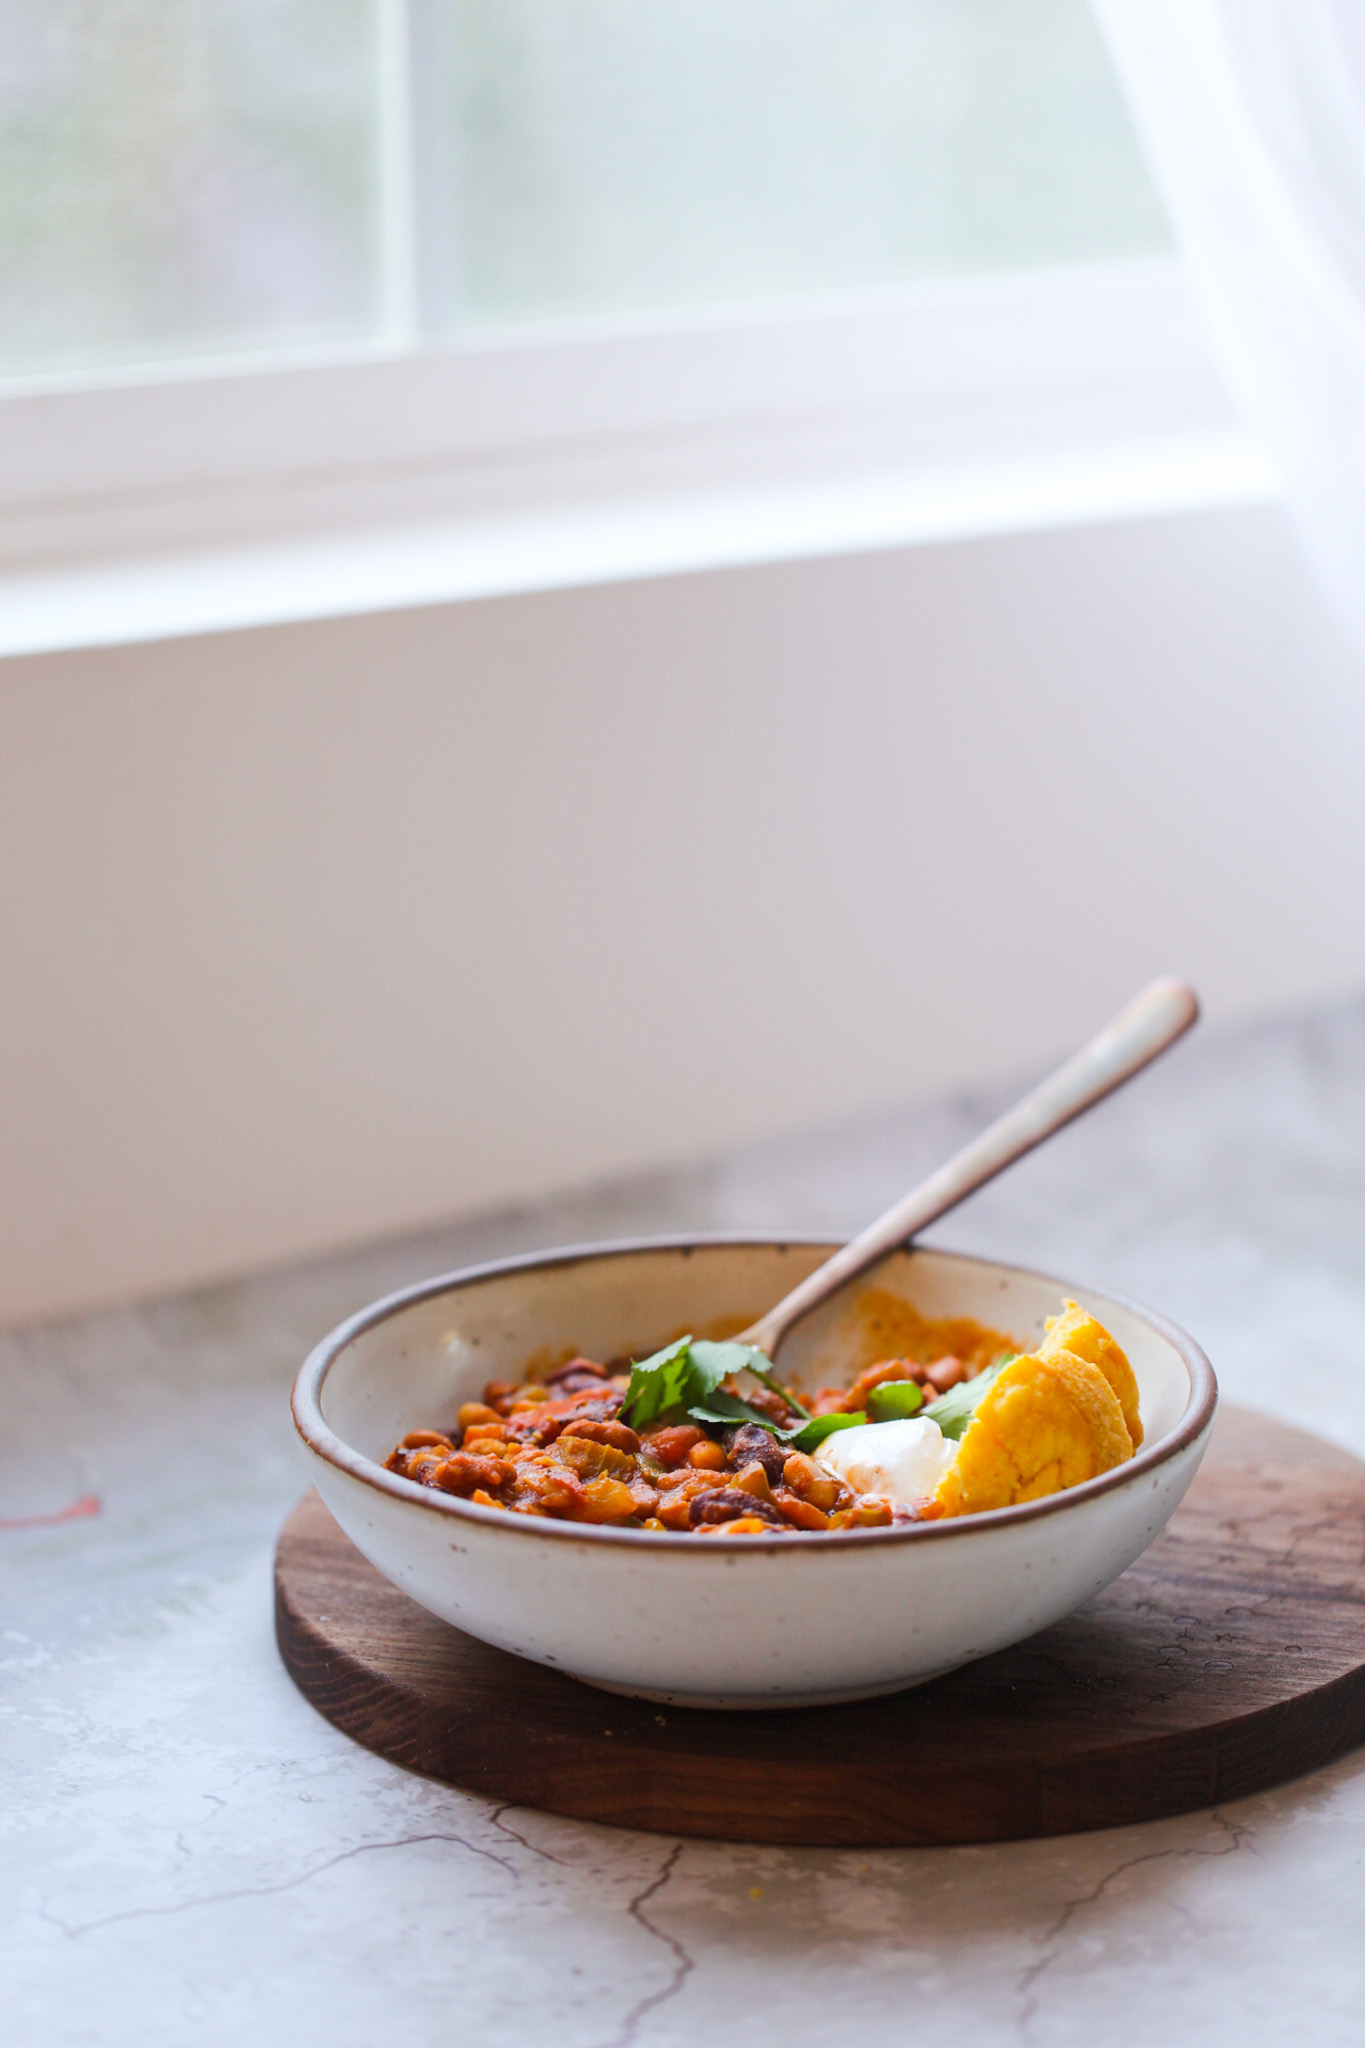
(1253, 116)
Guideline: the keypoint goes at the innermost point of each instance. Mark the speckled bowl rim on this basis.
(306, 1398)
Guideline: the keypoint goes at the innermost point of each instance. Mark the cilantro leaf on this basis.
(954, 1410)
(820, 1426)
(725, 1359)
(658, 1383)
(711, 1363)
(685, 1378)
(894, 1400)
(726, 1410)
(729, 1409)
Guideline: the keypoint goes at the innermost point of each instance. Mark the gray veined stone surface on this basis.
(188, 1853)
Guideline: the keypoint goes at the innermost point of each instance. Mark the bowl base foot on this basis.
(762, 1703)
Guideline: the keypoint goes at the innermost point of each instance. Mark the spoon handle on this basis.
(1163, 1011)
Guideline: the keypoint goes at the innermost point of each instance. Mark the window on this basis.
(312, 306)
(180, 177)
(612, 154)
(190, 178)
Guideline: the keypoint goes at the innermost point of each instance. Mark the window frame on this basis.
(934, 372)
(939, 408)
(523, 458)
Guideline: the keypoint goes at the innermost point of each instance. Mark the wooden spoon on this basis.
(1163, 1012)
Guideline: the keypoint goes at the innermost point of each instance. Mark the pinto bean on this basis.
(770, 1404)
(417, 1464)
(484, 1436)
(866, 1513)
(475, 1411)
(750, 1444)
(707, 1457)
(467, 1472)
(679, 1490)
(423, 1466)
(753, 1480)
(728, 1504)
(743, 1525)
(543, 1424)
(810, 1481)
(400, 1459)
(829, 1401)
(802, 1514)
(580, 1376)
(949, 1372)
(546, 1488)
(576, 1368)
(589, 1458)
(606, 1500)
(671, 1446)
(618, 1434)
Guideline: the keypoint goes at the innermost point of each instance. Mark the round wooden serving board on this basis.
(1230, 1657)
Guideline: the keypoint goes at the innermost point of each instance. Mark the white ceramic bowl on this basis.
(742, 1621)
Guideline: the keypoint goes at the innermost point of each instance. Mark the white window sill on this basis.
(164, 596)
(211, 501)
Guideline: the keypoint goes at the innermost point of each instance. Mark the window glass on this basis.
(185, 176)
(182, 177)
(623, 153)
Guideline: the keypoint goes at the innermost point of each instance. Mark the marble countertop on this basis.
(191, 1854)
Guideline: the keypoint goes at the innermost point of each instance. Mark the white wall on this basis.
(320, 931)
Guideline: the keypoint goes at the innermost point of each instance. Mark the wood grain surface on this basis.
(1230, 1657)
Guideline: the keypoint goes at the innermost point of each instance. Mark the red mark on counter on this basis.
(88, 1504)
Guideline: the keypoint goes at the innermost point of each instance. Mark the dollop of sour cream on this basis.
(898, 1461)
